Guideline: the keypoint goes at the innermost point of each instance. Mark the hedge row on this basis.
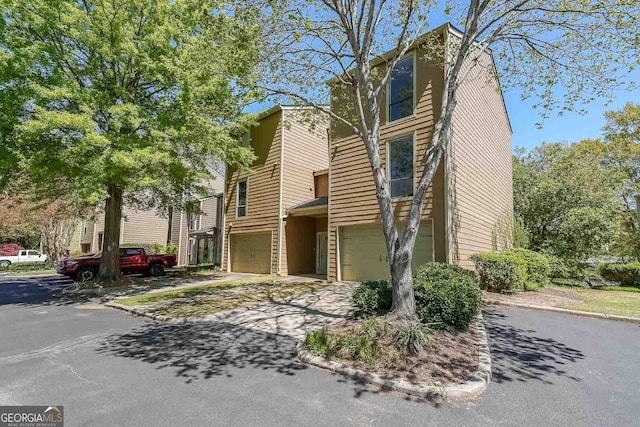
(626, 274)
(512, 270)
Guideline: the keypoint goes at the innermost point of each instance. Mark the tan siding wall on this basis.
(262, 187)
(479, 168)
(352, 190)
(300, 245)
(145, 227)
(208, 217)
(305, 151)
(322, 185)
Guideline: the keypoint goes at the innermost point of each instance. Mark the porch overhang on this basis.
(206, 231)
(313, 207)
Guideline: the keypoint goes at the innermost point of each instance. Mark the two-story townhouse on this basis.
(470, 198)
(276, 212)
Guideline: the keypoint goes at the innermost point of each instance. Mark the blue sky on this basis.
(566, 128)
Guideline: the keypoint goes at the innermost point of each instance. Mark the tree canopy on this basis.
(578, 200)
(132, 98)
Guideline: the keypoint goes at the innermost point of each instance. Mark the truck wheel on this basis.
(85, 274)
(156, 270)
(5, 263)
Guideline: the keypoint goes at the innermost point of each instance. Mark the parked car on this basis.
(23, 256)
(132, 261)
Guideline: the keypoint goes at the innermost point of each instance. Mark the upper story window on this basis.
(192, 221)
(400, 91)
(241, 206)
(400, 152)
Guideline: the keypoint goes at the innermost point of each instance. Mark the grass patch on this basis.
(608, 300)
(189, 292)
(620, 289)
(214, 304)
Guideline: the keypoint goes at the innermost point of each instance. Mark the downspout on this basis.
(280, 216)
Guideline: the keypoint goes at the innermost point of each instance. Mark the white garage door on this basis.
(251, 253)
(364, 255)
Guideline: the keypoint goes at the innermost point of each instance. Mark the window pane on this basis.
(242, 211)
(401, 90)
(401, 166)
(242, 193)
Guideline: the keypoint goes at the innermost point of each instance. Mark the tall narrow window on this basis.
(401, 89)
(401, 166)
(242, 199)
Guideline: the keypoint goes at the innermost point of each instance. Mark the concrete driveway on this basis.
(108, 368)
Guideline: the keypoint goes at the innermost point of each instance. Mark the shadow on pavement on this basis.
(37, 291)
(522, 354)
(204, 349)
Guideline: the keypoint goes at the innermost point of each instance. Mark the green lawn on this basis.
(205, 289)
(609, 300)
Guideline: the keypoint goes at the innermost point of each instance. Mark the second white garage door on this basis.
(364, 255)
(251, 253)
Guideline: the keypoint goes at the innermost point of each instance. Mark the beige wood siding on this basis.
(209, 211)
(322, 185)
(263, 184)
(352, 198)
(250, 252)
(145, 226)
(479, 168)
(300, 244)
(305, 151)
(363, 252)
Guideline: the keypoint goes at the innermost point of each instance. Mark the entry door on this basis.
(321, 252)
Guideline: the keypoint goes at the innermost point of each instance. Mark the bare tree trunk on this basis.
(110, 261)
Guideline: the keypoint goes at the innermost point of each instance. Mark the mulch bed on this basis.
(451, 359)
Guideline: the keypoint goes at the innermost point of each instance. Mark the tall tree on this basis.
(127, 98)
(567, 199)
(560, 52)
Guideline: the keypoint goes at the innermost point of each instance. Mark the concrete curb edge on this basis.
(470, 390)
(564, 311)
(141, 313)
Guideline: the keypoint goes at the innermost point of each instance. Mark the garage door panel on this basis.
(363, 251)
(251, 253)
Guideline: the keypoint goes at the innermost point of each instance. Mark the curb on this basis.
(565, 311)
(141, 313)
(470, 390)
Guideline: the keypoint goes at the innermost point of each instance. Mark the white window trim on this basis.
(246, 202)
(388, 142)
(388, 91)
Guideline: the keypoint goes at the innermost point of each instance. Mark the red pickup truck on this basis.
(132, 261)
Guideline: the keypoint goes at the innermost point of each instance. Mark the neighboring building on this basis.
(275, 213)
(290, 215)
(197, 235)
(136, 226)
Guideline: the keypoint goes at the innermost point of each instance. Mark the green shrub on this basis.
(30, 266)
(501, 272)
(412, 338)
(626, 274)
(446, 295)
(538, 268)
(566, 268)
(203, 267)
(149, 248)
(372, 298)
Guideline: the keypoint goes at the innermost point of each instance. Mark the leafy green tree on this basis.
(566, 199)
(561, 53)
(125, 100)
(622, 138)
